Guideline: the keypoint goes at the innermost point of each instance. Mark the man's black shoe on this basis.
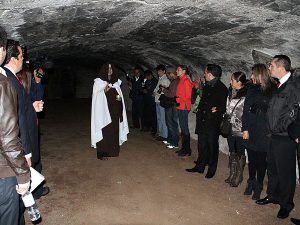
(194, 170)
(46, 191)
(295, 221)
(209, 175)
(266, 200)
(283, 213)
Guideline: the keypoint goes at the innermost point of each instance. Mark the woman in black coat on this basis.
(255, 129)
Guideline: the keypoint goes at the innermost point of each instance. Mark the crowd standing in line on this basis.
(265, 121)
(264, 118)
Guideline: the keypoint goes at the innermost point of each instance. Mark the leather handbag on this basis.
(226, 126)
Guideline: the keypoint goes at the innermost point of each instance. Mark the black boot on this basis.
(186, 149)
(232, 157)
(257, 191)
(240, 170)
(250, 187)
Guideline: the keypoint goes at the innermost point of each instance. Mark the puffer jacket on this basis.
(236, 98)
(12, 161)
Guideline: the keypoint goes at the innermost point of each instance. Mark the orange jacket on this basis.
(184, 93)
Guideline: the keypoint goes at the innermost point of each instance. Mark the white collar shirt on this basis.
(284, 79)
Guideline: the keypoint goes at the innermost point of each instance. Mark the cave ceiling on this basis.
(148, 32)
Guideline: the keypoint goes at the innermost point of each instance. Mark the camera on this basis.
(160, 89)
(40, 73)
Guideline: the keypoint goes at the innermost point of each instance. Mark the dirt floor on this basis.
(146, 185)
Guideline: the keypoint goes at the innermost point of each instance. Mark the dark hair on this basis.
(240, 77)
(3, 38)
(284, 61)
(184, 67)
(12, 50)
(25, 75)
(161, 67)
(104, 73)
(214, 69)
(262, 77)
(148, 73)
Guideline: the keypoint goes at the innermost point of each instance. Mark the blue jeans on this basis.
(184, 121)
(172, 124)
(162, 129)
(9, 201)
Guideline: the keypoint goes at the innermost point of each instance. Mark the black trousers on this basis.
(208, 151)
(236, 145)
(9, 202)
(282, 170)
(137, 112)
(257, 165)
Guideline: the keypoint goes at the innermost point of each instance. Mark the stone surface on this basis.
(149, 32)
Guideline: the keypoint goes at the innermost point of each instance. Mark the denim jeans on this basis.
(172, 124)
(9, 201)
(184, 121)
(162, 129)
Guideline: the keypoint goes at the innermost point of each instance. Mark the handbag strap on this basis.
(235, 107)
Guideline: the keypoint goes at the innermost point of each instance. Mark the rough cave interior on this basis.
(72, 38)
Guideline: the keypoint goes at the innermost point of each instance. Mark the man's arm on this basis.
(11, 148)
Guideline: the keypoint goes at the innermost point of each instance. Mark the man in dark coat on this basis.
(149, 111)
(282, 152)
(136, 95)
(209, 116)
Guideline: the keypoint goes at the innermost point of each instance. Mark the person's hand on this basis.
(22, 188)
(38, 106)
(29, 161)
(36, 78)
(245, 135)
(214, 109)
(297, 140)
(107, 88)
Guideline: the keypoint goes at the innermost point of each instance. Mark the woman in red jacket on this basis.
(184, 94)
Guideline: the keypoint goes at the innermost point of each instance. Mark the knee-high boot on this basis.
(240, 170)
(232, 166)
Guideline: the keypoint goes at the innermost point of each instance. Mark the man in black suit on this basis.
(282, 152)
(136, 95)
(209, 116)
(14, 63)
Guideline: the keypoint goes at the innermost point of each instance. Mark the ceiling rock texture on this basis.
(149, 32)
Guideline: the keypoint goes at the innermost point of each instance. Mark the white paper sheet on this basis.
(36, 179)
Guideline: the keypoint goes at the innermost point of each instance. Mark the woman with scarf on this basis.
(109, 126)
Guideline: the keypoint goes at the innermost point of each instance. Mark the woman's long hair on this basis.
(240, 77)
(261, 76)
(103, 75)
(25, 76)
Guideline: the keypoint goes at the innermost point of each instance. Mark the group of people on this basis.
(21, 98)
(263, 112)
(159, 104)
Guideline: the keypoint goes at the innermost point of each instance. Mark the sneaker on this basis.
(166, 143)
(172, 147)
